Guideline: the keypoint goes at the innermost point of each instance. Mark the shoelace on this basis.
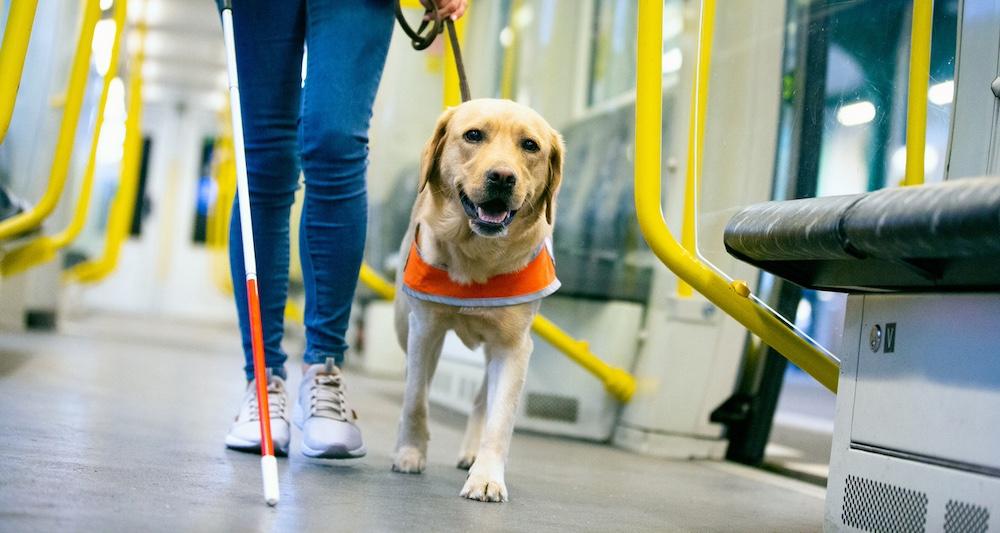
(275, 403)
(326, 398)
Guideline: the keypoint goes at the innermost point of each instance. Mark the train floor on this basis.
(116, 423)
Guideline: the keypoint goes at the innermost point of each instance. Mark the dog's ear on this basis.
(555, 175)
(431, 159)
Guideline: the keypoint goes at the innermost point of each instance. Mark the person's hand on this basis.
(452, 9)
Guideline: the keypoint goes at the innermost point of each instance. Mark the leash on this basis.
(422, 37)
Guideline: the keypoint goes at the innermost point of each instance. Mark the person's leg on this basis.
(269, 43)
(347, 44)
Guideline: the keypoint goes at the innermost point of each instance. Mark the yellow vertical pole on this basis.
(696, 135)
(76, 87)
(20, 19)
(916, 97)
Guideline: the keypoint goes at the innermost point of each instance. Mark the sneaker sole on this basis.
(246, 446)
(334, 452)
(331, 452)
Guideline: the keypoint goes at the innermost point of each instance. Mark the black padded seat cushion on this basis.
(943, 236)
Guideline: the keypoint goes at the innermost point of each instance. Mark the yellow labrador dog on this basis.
(477, 263)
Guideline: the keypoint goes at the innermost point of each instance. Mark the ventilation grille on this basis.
(961, 517)
(552, 407)
(883, 508)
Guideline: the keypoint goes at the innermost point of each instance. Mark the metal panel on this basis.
(929, 377)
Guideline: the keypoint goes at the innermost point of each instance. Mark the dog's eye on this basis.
(529, 145)
(473, 136)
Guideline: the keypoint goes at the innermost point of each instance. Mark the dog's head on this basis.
(496, 162)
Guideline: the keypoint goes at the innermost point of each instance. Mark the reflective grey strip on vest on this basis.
(484, 302)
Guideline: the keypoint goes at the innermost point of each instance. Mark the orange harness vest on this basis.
(427, 282)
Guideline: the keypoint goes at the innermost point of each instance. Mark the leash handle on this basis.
(421, 38)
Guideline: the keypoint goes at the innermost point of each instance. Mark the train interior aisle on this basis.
(115, 424)
(776, 236)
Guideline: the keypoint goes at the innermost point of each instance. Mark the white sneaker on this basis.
(244, 434)
(322, 413)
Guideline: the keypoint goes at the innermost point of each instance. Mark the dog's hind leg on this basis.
(473, 429)
(505, 375)
(423, 350)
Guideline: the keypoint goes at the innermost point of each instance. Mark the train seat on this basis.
(918, 400)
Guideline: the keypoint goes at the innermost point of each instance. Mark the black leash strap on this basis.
(422, 37)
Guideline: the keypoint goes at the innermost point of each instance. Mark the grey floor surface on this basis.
(116, 424)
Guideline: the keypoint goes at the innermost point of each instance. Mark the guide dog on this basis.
(478, 262)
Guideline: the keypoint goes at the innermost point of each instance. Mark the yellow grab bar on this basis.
(75, 90)
(733, 298)
(44, 249)
(20, 19)
(916, 92)
(120, 216)
(617, 381)
(696, 135)
(379, 285)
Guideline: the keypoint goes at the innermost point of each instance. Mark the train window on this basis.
(205, 192)
(613, 50)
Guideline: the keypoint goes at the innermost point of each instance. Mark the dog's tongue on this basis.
(493, 218)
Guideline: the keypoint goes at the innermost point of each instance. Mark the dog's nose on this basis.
(501, 177)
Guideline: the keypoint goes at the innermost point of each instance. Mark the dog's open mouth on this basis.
(490, 215)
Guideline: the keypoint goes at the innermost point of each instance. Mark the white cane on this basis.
(268, 464)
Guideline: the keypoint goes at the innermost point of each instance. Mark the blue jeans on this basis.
(320, 129)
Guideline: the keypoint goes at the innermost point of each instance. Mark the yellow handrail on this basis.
(120, 215)
(379, 285)
(733, 298)
(67, 130)
(44, 248)
(20, 19)
(696, 135)
(916, 97)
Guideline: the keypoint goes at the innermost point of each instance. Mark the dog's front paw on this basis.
(484, 489)
(409, 460)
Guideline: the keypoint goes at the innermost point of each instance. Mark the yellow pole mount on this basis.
(735, 299)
